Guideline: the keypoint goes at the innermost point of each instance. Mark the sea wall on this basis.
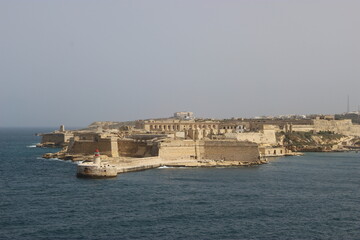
(106, 146)
(226, 150)
(229, 150)
(178, 149)
(58, 138)
(132, 148)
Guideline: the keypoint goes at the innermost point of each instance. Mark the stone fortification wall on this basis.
(228, 150)
(257, 124)
(131, 148)
(177, 149)
(56, 138)
(344, 127)
(107, 146)
(356, 130)
(302, 128)
(127, 147)
(263, 137)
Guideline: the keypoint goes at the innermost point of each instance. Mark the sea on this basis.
(315, 196)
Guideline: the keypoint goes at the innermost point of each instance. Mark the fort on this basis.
(183, 140)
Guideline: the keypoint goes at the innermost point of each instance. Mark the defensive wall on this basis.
(178, 149)
(133, 148)
(300, 128)
(266, 136)
(344, 127)
(191, 139)
(228, 150)
(223, 150)
(107, 146)
(58, 138)
(113, 147)
(258, 124)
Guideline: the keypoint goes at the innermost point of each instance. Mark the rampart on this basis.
(57, 138)
(302, 128)
(228, 150)
(133, 148)
(223, 150)
(178, 149)
(344, 127)
(262, 137)
(108, 146)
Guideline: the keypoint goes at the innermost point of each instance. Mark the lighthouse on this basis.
(96, 169)
(97, 159)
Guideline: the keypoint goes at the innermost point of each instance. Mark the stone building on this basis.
(175, 125)
(87, 142)
(184, 115)
(59, 138)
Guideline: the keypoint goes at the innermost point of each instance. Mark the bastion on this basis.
(183, 140)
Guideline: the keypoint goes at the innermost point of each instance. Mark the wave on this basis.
(164, 167)
(31, 146)
(55, 159)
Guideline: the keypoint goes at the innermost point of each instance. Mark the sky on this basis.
(78, 61)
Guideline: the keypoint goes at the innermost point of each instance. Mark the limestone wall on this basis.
(263, 137)
(356, 130)
(257, 124)
(344, 127)
(127, 147)
(131, 148)
(177, 149)
(105, 147)
(52, 137)
(57, 138)
(302, 128)
(88, 147)
(229, 150)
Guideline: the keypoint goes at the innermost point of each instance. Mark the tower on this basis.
(97, 159)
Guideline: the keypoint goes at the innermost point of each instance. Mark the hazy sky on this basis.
(74, 62)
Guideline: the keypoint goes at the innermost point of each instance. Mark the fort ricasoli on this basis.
(105, 149)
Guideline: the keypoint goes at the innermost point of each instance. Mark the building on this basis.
(184, 115)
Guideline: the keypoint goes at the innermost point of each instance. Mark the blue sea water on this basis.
(316, 196)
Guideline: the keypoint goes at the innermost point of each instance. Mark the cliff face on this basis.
(316, 142)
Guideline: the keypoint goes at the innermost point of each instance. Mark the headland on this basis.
(183, 140)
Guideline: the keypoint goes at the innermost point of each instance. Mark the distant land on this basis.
(184, 140)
